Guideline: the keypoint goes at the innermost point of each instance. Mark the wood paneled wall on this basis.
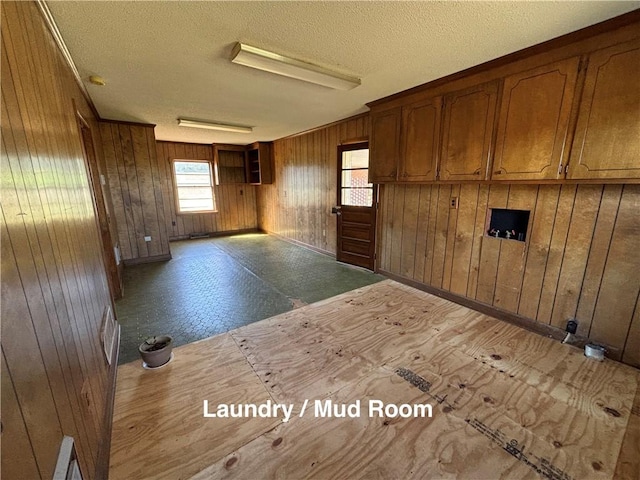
(581, 259)
(136, 187)
(236, 203)
(298, 203)
(55, 379)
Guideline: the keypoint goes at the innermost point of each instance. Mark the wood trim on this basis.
(124, 122)
(540, 48)
(322, 127)
(57, 37)
(104, 450)
(233, 148)
(518, 320)
(351, 141)
(186, 143)
(226, 233)
(301, 244)
(138, 261)
(559, 181)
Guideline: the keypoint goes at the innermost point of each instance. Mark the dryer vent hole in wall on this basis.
(508, 224)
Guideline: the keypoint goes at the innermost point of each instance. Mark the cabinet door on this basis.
(420, 136)
(607, 139)
(467, 132)
(385, 145)
(533, 122)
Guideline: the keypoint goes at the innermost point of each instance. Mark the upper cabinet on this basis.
(243, 164)
(420, 137)
(259, 163)
(385, 145)
(467, 132)
(567, 112)
(533, 122)
(607, 139)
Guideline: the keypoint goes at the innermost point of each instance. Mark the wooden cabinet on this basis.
(467, 132)
(420, 139)
(533, 122)
(607, 139)
(572, 113)
(384, 145)
(243, 164)
(259, 164)
(230, 164)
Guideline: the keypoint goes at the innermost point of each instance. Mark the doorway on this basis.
(103, 218)
(356, 207)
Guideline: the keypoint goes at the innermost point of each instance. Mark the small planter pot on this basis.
(156, 351)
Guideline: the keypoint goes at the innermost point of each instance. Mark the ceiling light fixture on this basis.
(290, 67)
(183, 122)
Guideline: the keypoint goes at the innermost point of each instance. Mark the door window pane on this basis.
(356, 178)
(357, 197)
(355, 158)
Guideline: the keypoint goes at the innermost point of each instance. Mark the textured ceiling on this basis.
(164, 60)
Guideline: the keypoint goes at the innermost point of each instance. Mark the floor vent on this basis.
(198, 235)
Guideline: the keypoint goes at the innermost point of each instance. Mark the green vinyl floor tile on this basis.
(214, 285)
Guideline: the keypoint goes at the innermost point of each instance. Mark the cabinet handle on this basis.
(566, 168)
(560, 169)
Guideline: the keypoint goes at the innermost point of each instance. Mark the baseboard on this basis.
(225, 233)
(138, 261)
(513, 318)
(104, 450)
(300, 244)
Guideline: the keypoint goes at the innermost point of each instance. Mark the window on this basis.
(193, 186)
(355, 188)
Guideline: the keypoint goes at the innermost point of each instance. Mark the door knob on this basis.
(336, 210)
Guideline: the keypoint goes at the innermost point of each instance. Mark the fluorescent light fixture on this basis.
(183, 122)
(290, 67)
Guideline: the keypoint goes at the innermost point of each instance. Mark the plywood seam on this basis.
(555, 217)
(35, 458)
(415, 257)
(604, 267)
(584, 273)
(473, 238)
(564, 250)
(495, 278)
(527, 247)
(633, 314)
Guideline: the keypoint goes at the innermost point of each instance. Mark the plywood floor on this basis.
(507, 403)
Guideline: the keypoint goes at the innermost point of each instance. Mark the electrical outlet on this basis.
(453, 203)
(147, 238)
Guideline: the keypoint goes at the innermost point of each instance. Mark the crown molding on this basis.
(57, 37)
